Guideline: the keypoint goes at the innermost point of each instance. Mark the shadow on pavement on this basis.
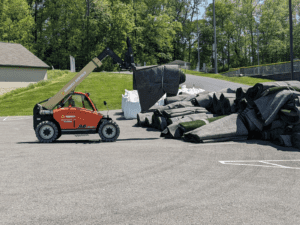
(146, 128)
(137, 139)
(152, 129)
(269, 143)
(118, 114)
(123, 118)
(86, 141)
(64, 142)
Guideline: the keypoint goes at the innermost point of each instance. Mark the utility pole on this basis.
(291, 39)
(257, 46)
(198, 42)
(87, 38)
(215, 44)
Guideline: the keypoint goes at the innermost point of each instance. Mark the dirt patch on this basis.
(9, 86)
(5, 90)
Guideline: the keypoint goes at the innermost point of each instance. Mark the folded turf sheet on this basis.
(295, 138)
(183, 97)
(223, 103)
(273, 134)
(227, 128)
(284, 140)
(141, 117)
(148, 121)
(192, 125)
(241, 105)
(260, 89)
(270, 105)
(175, 119)
(290, 112)
(251, 121)
(169, 113)
(159, 122)
(205, 99)
(227, 102)
(241, 92)
(173, 131)
(216, 105)
(174, 105)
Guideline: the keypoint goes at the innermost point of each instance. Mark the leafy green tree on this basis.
(154, 31)
(205, 40)
(16, 23)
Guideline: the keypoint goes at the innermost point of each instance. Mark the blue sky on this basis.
(207, 2)
(202, 9)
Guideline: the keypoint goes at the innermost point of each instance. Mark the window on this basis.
(87, 103)
(75, 101)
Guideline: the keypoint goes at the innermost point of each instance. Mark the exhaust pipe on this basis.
(44, 112)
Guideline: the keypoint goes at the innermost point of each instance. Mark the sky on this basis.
(202, 9)
(207, 2)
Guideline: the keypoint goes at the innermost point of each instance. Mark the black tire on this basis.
(46, 132)
(109, 131)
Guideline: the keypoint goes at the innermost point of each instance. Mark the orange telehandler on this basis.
(70, 112)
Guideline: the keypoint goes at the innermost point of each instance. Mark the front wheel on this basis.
(109, 131)
(47, 132)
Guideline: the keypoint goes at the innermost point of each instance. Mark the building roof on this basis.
(12, 54)
(179, 62)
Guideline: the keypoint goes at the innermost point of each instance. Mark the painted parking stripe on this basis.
(267, 163)
(14, 119)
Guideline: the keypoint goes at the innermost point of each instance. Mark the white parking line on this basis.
(14, 119)
(273, 165)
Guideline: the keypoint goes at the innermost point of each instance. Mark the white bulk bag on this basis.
(131, 104)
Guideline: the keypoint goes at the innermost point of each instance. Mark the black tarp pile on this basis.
(267, 111)
(153, 82)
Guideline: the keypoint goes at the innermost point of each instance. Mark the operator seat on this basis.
(71, 102)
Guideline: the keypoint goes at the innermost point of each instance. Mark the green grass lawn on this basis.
(103, 86)
(241, 80)
(268, 64)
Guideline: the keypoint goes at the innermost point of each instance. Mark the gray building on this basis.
(181, 64)
(19, 66)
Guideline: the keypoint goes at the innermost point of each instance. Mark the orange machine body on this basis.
(72, 117)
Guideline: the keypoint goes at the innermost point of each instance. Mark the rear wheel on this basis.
(47, 132)
(109, 131)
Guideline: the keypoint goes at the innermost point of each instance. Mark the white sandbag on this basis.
(124, 100)
(131, 110)
(131, 104)
(191, 91)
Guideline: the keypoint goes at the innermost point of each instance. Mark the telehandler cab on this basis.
(70, 112)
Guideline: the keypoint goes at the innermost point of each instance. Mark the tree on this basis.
(16, 23)
(154, 31)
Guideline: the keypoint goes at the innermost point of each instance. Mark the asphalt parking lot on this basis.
(144, 179)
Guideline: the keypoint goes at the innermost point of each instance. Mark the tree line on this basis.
(160, 30)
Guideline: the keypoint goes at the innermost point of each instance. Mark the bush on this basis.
(30, 86)
(41, 83)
